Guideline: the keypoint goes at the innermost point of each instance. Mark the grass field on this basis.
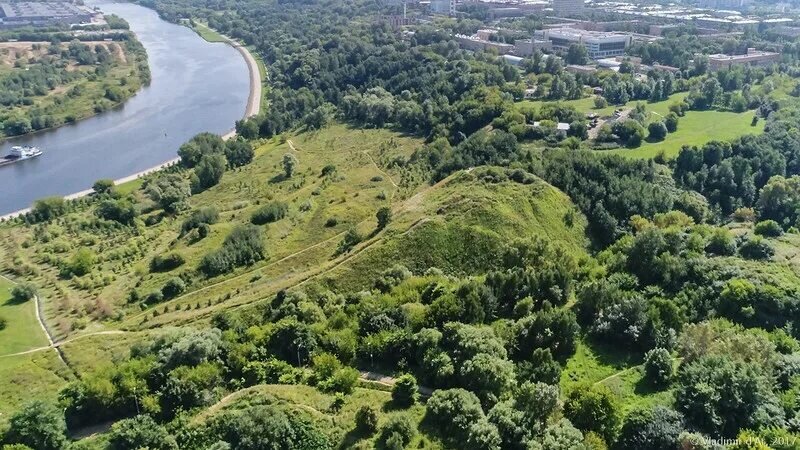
(22, 331)
(29, 377)
(207, 33)
(617, 370)
(695, 128)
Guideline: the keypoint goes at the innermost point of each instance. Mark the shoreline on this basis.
(252, 108)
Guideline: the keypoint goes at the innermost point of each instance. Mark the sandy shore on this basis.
(252, 108)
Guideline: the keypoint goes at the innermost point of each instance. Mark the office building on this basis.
(568, 7)
(753, 57)
(598, 44)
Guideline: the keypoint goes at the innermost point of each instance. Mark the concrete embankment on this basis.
(252, 108)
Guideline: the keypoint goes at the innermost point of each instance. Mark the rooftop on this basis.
(40, 9)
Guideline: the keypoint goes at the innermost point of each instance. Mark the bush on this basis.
(658, 366)
(721, 243)
(756, 248)
(103, 186)
(657, 131)
(238, 152)
(3, 323)
(351, 238)
(166, 262)
(153, 298)
(48, 208)
(23, 292)
(398, 430)
(671, 122)
(173, 288)
(404, 392)
(81, 262)
(243, 246)
(331, 222)
(768, 228)
(208, 215)
(367, 419)
(122, 211)
(272, 212)
(384, 216)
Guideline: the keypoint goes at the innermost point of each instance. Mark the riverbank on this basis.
(252, 108)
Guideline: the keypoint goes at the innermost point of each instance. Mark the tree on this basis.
(81, 262)
(208, 171)
(600, 102)
(656, 428)
(593, 407)
(200, 145)
(768, 228)
(269, 427)
(38, 425)
(367, 419)
(103, 186)
(173, 288)
(48, 208)
(756, 248)
(555, 329)
(576, 54)
(671, 122)
(140, 432)
(238, 152)
(658, 366)
(169, 190)
(122, 211)
(23, 292)
(404, 391)
(289, 164)
(657, 131)
(720, 396)
(397, 432)
(721, 243)
(384, 216)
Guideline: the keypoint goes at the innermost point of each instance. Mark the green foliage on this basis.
(243, 246)
(593, 407)
(122, 211)
(103, 186)
(658, 366)
(23, 292)
(49, 208)
(657, 131)
(397, 432)
(81, 263)
(258, 427)
(768, 228)
(140, 432)
(367, 420)
(239, 152)
(203, 144)
(756, 248)
(169, 191)
(404, 391)
(290, 163)
(38, 425)
(206, 215)
(271, 212)
(208, 172)
(656, 428)
(173, 288)
(165, 263)
(384, 216)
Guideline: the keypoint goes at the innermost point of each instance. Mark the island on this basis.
(52, 74)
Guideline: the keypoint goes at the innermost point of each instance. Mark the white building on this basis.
(598, 44)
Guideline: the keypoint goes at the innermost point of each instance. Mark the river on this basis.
(196, 86)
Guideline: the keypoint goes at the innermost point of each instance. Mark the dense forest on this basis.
(515, 288)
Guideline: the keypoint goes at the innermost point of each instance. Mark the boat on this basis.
(20, 153)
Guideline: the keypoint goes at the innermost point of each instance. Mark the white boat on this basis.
(20, 153)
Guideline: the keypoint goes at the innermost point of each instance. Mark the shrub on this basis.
(404, 392)
(331, 222)
(272, 212)
(756, 248)
(671, 122)
(103, 186)
(384, 216)
(351, 238)
(238, 152)
(173, 288)
(48, 208)
(657, 131)
(768, 228)
(328, 170)
(3, 323)
(154, 297)
(658, 366)
(721, 243)
(243, 246)
(81, 262)
(202, 216)
(289, 164)
(166, 262)
(23, 292)
(122, 211)
(398, 430)
(367, 419)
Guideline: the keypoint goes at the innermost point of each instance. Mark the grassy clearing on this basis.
(316, 405)
(207, 32)
(618, 370)
(698, 128)
(29, 377)
(22, 331)
(695, 128)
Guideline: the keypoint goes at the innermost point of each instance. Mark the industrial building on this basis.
(526, 47)
(22, 14)
(474, 43)
(753, 57)
(598, 44)
(568, 7)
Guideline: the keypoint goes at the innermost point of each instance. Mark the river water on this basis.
(196, 86)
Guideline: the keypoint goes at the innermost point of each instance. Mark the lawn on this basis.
(697, 128)
(22, 332)
(618, 370)
(207, 32)
(33, 376)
